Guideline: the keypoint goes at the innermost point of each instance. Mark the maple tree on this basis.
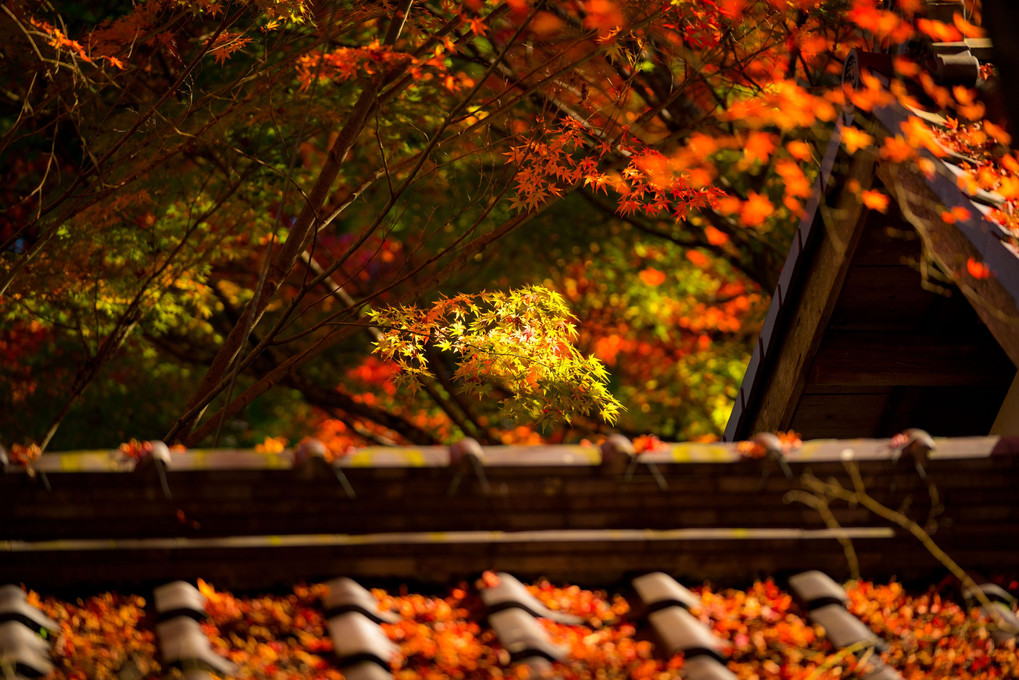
(218, 209)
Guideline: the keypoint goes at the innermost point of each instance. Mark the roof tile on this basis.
(346, 595)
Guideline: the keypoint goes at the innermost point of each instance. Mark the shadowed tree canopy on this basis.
(405, 221)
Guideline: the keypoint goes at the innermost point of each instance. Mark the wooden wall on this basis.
(249, 521)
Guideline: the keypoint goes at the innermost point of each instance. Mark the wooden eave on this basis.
(865, 335)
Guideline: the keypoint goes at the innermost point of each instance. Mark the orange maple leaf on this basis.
(910, 7)
(978, 270)
(812, 44)
(652, 277)
(907, 68)
(964, 95)
(728, 205)
(759, 146)
(954, 215)
(1008, 188)
(919, 135)
(998, 132)
(966, 28)
(875, 200)
(855, 139)
(716, 237)
(478, 26)
(698, 258)
(208, 591)
(881, 23)
(872, 95)
(546, 25)
(799, 150)
(732, 9)
(896, 149)
(702, 145)
(756, 209)
(973, 111)
(796, 183)
(604, 16)
(939, 31)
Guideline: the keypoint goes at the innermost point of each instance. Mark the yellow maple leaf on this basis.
(856, 139)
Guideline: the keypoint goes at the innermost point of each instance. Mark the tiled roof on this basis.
(674, 516)
(814, 629)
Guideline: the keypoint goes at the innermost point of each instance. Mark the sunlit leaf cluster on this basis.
(519, 343)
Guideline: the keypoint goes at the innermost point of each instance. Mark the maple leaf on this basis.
(702, 145)
(728, 205)
(656, 167)
(855, 139)
(715, 237)
(796, 183)
(977, 269)
(698, 258)
(755, 209)
(964, 95)
(652, 277)
(999, 134)
(907, 68)
(599, 180)
(627, 207)
(975, 111)
(759, 146)
(812, 44)
(478, 26)
(919, 135)
(938, 31)
(875, 200)
(881, 23)
(799, 150)
(732, 9)
(955, 215)
(966, 28)
(659, 204)
(226, 45)
(546, 25)
(896, 149)
(604, 16)
(872, 95)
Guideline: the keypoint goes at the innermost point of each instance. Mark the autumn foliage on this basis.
(766, 635)
(217, 210)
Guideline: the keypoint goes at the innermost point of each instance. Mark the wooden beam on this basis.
(838, 415)
(835, 239)
(883, 298)
(866, 358)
